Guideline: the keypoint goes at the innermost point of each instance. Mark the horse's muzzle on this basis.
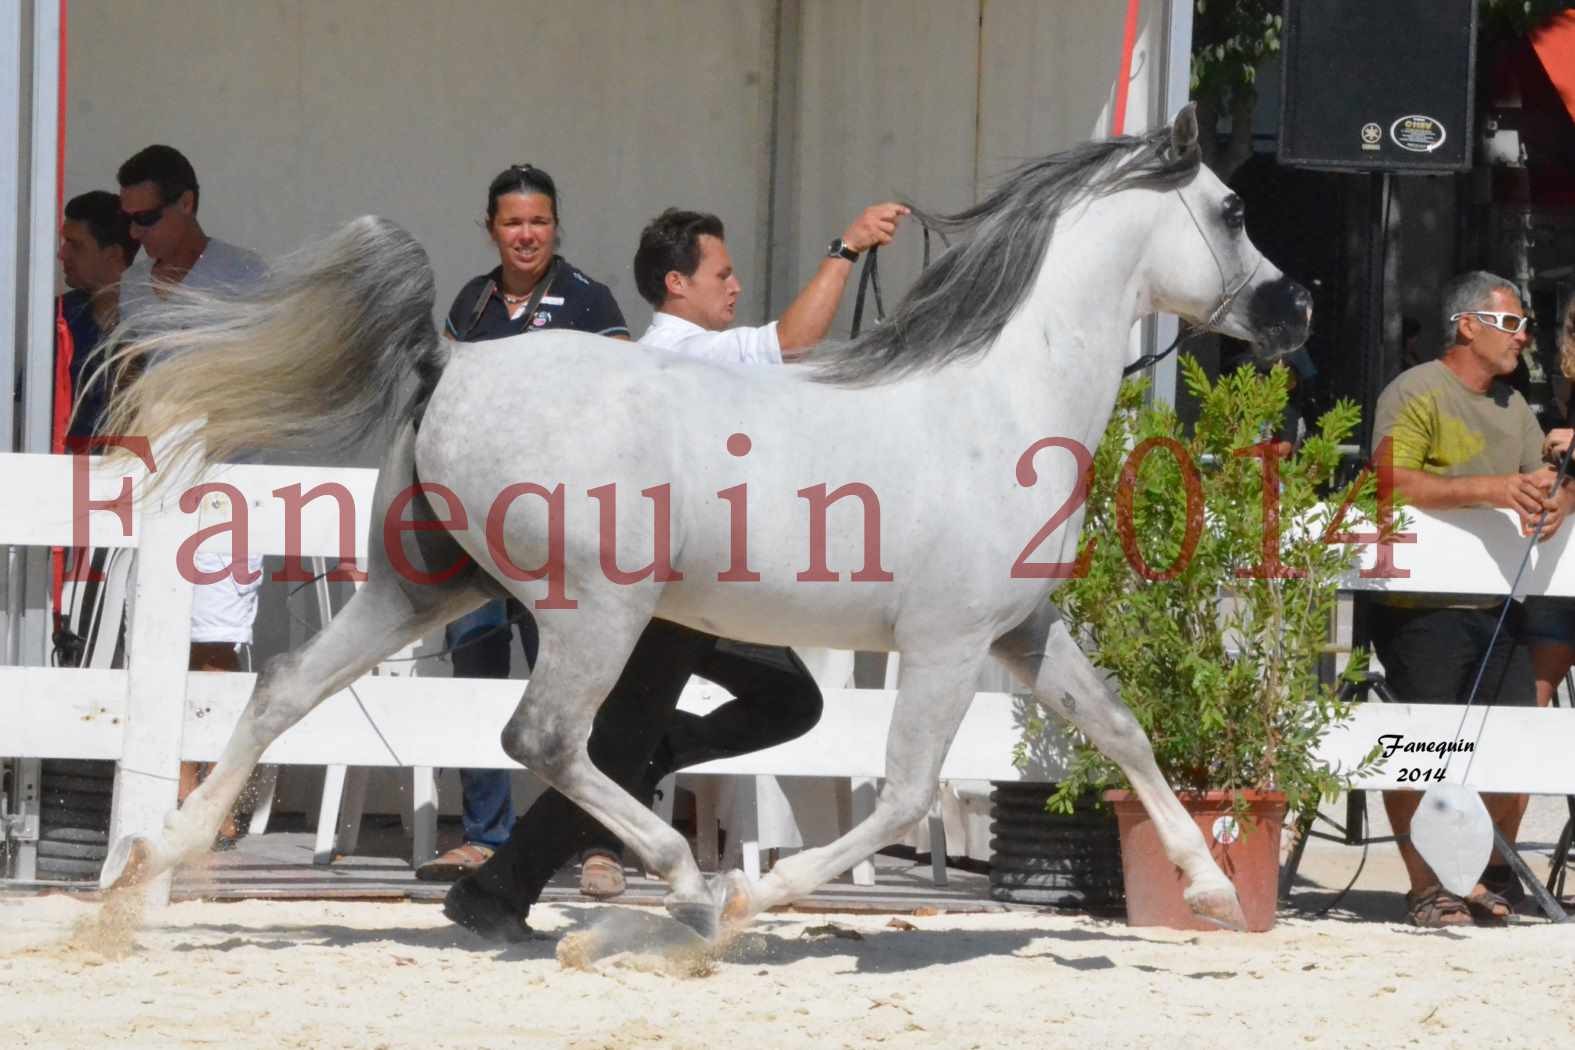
(1280, 316)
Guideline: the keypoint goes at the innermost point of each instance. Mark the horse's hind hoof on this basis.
(129, 862)
(1220, 907)
(704, 919)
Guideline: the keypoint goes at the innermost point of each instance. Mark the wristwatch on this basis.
(838, 250)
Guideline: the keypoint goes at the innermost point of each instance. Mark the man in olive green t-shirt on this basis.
(1460, 437)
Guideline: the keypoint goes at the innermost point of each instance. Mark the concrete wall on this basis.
(299, 115)
(785, 117)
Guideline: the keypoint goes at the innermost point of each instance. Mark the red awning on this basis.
(1554, 43)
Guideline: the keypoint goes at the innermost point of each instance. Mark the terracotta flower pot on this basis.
(1249, 855)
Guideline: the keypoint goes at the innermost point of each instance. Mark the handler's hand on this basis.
(1556, 443)
(1557, 504)
(1527, 495)
(875, 226)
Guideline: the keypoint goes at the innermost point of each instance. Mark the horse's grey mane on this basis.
(960, 303)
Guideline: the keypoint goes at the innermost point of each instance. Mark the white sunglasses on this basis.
(1511, 324)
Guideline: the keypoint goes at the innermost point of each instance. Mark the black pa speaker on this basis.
(1378, 85)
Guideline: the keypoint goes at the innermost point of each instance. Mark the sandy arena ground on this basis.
(318, 974)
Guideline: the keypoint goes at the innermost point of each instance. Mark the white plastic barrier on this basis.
(155, 714)
(1475, 551)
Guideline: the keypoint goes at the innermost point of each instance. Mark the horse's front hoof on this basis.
(704, 919)
(129, 863)
(1220, 907)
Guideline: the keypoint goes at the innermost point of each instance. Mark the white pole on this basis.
(10, 204)
(1174, 90)
(12, 559)
(38, 381)
(158, 649)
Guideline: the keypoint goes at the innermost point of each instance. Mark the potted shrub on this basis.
(1210, 605)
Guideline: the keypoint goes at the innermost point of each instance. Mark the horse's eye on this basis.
(1234, 212)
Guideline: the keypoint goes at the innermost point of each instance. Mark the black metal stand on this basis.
(1545, 900)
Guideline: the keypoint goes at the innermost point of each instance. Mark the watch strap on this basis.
(837, 249)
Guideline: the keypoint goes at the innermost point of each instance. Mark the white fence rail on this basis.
(155, 713)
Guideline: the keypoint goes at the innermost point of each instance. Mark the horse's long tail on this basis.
(318, 357)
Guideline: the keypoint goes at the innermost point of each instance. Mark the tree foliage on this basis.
(1221, 669)
(1499, 19)
(1230, 41)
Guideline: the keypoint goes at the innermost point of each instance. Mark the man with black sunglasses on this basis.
(159, 196)
(1458, 436)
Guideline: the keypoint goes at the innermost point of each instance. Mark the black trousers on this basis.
(1433, 656)
(639, 737)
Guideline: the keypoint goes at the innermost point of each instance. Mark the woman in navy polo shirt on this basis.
(532, 288)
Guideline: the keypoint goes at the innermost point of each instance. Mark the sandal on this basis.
(458, 862)
(601, 876)
(1435, 907)
(1488, 908)
(1502, 880)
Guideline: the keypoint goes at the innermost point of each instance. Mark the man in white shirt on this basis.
(683, 269)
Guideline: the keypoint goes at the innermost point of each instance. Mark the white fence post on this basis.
(158, 650)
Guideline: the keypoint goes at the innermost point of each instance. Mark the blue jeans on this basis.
(488, 811)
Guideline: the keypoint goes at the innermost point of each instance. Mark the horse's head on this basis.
(1206, 270)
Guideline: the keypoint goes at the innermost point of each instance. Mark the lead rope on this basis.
(869, 279)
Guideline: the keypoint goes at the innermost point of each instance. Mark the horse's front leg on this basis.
(935, 686)
(1042, 655)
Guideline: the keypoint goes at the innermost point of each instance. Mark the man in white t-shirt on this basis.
(159, 196)
(682, 268)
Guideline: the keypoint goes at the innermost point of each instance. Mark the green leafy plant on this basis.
(1211, 610)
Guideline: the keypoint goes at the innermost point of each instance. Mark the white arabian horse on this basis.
(925, 436)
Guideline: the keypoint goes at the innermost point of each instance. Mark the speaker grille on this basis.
(1378, 86)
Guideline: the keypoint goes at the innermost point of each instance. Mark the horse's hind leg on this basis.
(1042, 655)
(935, 686)
(383, 615)
(582, 656)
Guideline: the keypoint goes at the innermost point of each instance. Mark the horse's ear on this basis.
(1184, 132)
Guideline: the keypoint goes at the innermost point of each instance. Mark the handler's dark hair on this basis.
(669, 242)
(521, 178)
(99, 211)
(167, 168)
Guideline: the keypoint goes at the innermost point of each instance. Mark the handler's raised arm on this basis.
(807, 319)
